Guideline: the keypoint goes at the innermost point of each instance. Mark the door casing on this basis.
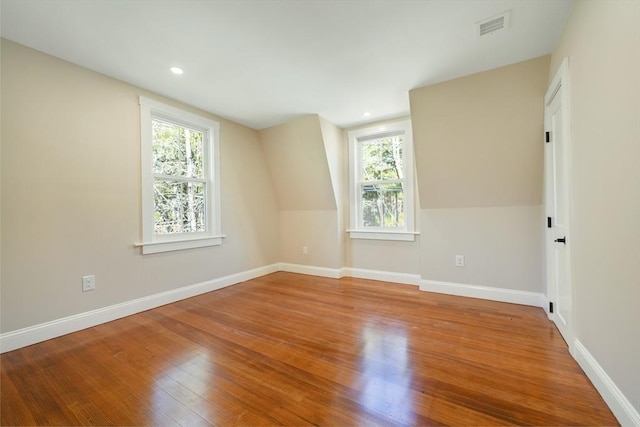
(559, 289)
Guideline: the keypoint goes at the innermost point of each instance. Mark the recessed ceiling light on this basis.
(176, 70)
(366, 114)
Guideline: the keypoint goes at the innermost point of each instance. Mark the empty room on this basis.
(320, 212)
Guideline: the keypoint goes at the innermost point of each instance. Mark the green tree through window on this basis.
(178, 178)
(381, 177)
(381, 186)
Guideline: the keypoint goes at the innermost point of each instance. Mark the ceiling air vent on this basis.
(492, 25)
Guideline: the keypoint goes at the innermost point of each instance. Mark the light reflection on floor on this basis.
(177, 385)
(386, 377)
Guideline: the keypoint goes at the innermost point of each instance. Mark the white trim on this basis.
(383, 235)
(621, 407)
(360, 273)
(199, 242)
(150, 109)
(385, 276)
(624, 411)
(560, 86)
(333, 273)
(45, 331)
(513, 296)
(401, 127)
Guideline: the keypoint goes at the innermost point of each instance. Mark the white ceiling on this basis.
(264, 62)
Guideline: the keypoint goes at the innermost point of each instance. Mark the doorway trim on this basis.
(559, 87)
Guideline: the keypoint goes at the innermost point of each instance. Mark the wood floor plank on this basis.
(289, 349)
(13, 411)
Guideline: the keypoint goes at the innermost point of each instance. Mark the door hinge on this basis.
(548, 222)
(550, 307)
(547, 137)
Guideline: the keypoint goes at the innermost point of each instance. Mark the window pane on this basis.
(382, 205)
(382, 159)
(177, 150)
(179, 207)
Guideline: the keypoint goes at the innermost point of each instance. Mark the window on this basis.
(180, 179)
(381, 182)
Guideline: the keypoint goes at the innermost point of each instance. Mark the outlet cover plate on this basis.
(88, 283)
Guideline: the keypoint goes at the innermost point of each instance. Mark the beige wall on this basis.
(296, 157)
(71, 195)
(318, 231)
(337, 157)
(384, 255)
(602, 41)
(502, 246)
(304, 166)
(477, 138)
(336, 154)
(479, 157)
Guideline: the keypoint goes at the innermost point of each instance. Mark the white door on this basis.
(557, 239)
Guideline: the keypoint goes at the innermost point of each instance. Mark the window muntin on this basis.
(179, 184)
(180, 179)
(381, 182)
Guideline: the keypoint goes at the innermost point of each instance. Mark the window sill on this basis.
(177, 245)
(405, 236)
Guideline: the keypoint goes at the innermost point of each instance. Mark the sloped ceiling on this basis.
(266, 62)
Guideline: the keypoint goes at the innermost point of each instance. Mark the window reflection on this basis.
(386, 377)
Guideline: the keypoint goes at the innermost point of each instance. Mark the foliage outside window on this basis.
(381, 172)
(179, 187)
(180, 200)
(381, 178)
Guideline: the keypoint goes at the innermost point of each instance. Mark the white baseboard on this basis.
(360, 273)
(66, 325)
(621, 407)
(333, 273)
(619, 404)
(385, 276)
(624, 411)
(484, 292)
(45, 331)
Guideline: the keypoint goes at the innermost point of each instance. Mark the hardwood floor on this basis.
(298, 350)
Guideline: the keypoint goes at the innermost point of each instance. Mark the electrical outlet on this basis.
(88, 283)
(459, 260)
(305, 250)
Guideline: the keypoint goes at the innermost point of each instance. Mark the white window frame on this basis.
(357, 230)
(212, 236)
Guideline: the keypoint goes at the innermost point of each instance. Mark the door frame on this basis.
(559, 87)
